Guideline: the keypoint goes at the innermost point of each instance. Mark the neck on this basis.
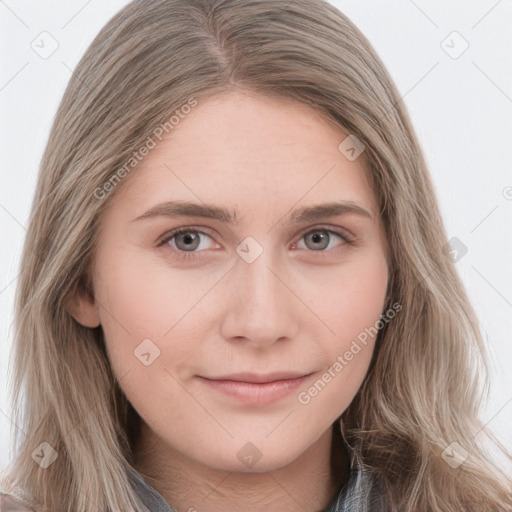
(308, 483)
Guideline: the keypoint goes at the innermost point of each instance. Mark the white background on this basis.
(461, 109)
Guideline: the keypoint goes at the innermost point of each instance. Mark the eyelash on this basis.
(191, 255)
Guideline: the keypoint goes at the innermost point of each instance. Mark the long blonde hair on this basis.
(423, 389)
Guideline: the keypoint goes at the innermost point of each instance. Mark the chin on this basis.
(247, 457)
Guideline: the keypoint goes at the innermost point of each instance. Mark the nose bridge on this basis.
(260, 282)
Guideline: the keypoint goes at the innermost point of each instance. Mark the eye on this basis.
(188, 240)
(320, 239)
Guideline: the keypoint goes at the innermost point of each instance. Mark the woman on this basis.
(236, 294)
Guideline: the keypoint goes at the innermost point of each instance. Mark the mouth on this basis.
(256, 389)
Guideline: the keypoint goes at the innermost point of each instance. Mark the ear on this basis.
(80, 304)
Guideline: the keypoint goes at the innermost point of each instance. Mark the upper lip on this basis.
(260, 378)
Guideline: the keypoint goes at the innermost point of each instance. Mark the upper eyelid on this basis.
(173, 232)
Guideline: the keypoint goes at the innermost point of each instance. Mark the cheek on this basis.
(352, 308)
(132, 310)
(352, 301)
(351, 305)
(145, 299)
(137, 309)
(141, 301)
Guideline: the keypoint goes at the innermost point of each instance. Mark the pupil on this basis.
(188, 241)
(318, 238)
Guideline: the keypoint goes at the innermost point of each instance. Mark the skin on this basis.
(297, 307)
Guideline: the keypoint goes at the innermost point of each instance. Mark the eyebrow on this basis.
(307, 214)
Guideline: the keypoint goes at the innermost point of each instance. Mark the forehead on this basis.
(252, 151)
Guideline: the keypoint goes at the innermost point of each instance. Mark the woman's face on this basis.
(234, 341)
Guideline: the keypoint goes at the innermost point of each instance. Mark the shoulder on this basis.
(11, 503)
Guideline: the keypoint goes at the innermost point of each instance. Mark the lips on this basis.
(260, 378)
(256, 389)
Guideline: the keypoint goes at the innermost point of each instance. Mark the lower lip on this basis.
(252, 393)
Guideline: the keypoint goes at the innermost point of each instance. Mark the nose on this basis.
(259, 307)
